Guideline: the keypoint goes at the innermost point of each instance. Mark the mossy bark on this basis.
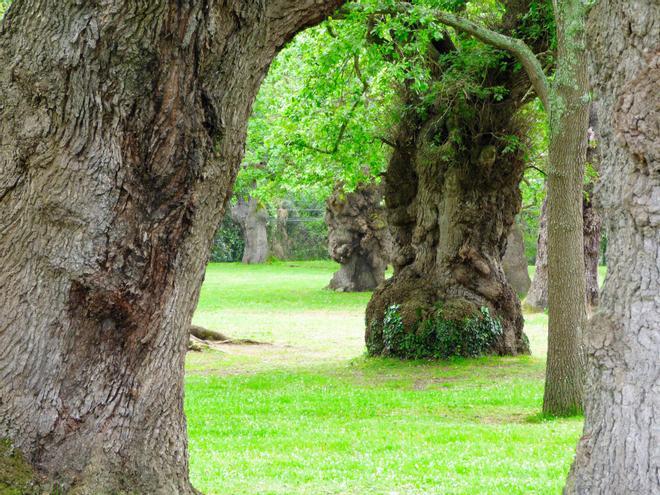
(569, 120)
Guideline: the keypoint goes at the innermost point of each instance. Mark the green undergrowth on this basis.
(440, 336)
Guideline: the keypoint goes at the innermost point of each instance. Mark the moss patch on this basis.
(16, 476)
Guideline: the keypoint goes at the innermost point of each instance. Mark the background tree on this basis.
(122, 127)
(253, 219)
(514, 262)
(358, 237)
(618, 452)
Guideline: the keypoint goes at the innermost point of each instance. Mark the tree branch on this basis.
(516, 47)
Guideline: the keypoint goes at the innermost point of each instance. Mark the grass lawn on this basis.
(309, 414)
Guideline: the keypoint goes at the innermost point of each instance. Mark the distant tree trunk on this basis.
(122, 127)
(279, 237)
(537, 297)
(253, 219)
(591, 228)
(358, 238)
(514, 262)
(619, 450)
(452, 193)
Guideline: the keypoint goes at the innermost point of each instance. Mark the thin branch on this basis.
(386, 141)
(538, 170)
(349, 116)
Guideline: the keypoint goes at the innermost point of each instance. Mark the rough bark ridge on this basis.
(619, 451)
(358, 237)
(253, 219)
(122, 127)
(514, 262)
(452, 195)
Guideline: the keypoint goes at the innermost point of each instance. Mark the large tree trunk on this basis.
(452, 194)
(358, 238)
(253, 219)
(121, 131)
(619, 451)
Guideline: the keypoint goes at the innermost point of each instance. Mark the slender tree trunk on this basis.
(569, 119)
(253, 219)
(121, 131)
(279, 236)
(619, 452)
(358, 238)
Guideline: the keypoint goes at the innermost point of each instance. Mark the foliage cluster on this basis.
(228, 243)
(440, 336)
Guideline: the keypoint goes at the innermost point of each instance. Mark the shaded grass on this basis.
(310, 415)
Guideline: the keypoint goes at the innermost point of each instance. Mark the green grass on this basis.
(309, 414)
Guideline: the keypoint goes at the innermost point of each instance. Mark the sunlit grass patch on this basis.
(310, 414)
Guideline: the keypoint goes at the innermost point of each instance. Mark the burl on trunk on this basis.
(122, 127)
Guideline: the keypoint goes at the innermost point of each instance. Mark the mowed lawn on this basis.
(308, 413)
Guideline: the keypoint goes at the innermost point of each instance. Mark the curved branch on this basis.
(516, 47)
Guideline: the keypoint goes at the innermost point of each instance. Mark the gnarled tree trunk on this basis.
(358, 238)
(514, 262)
(452, 194)
(121, 131)
(253, 219)
(279, 236)
(619, 451)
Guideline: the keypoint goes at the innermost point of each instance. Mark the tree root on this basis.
(201, 335)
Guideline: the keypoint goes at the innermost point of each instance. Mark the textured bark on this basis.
(253, 219)
(450, 207)
(537, 297)
(514, 262)
(619, 452)
(122, 127)
(358, 238)
(569, 120)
